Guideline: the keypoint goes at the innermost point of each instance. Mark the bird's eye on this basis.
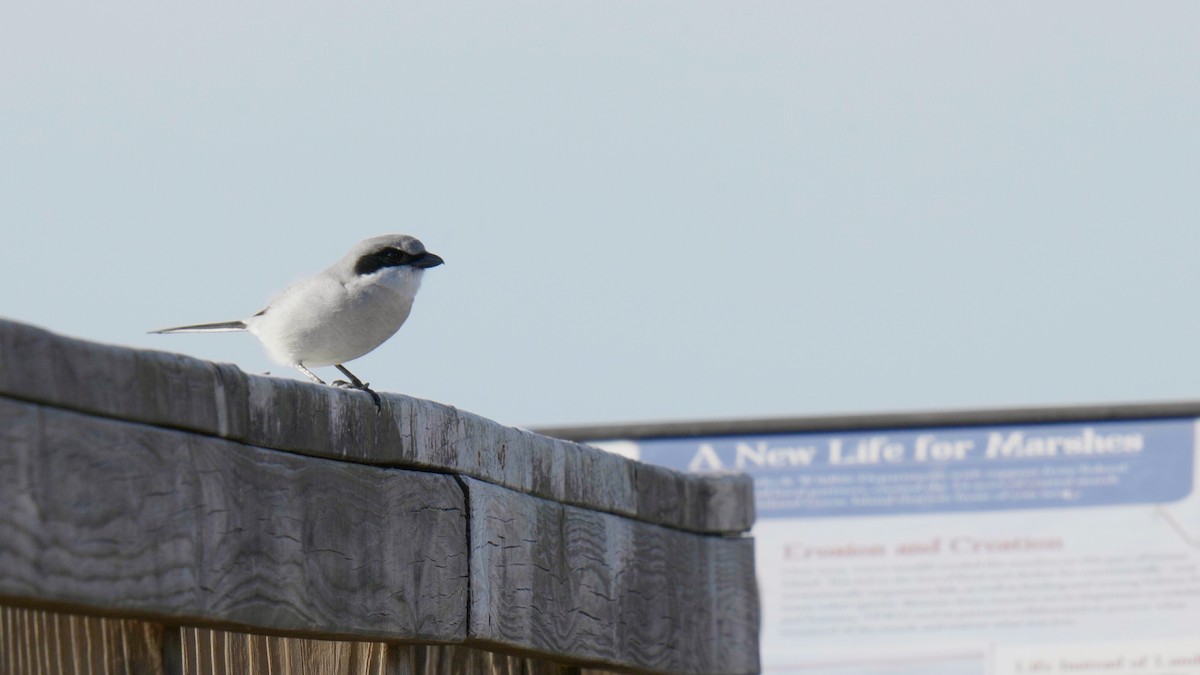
(381, 258)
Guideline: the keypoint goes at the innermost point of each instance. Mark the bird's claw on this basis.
(360, 386)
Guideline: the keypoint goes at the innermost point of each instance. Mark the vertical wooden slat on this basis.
(39, 642)
(456, 660)
(215, 652)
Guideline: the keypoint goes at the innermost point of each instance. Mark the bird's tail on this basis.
(220, 327)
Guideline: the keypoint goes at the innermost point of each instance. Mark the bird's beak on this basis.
(427, 260)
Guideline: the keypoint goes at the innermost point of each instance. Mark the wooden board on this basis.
(41, 642)
(157, 388)
(166, 525)
(557, 579)
(136, 520)
(34, 642)
(215, 652)
(220, 400)
(230, 503)
(208, 652)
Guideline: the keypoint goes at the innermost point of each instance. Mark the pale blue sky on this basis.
(649, 210)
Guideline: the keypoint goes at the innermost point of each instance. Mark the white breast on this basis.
(322, 321)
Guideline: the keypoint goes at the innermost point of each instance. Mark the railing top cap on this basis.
(181, 392)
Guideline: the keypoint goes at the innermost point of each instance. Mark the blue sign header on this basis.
(949, 469)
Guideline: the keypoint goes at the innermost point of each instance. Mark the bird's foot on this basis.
(360, 386)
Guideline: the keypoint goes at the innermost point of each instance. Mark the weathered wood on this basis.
(155, 388)
(220, 400)
(130, 519)
(164, 524)
(153, 487)
(41, 642)
(459, 660)
(37, 642)
(213, 652)
(216, 652)
(558, 579)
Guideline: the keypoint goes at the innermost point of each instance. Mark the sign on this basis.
(1048, 548)
(942, 470)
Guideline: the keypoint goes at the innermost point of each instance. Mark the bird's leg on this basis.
(309, 373)
(356, 383)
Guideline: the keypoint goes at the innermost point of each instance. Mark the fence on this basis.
(162, 514)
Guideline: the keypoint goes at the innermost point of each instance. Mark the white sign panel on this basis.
(1034, 549)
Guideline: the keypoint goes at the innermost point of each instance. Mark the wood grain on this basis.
(41, 642)
(157, 388)
(607, 590)
(422, 434)
(220, 652)
(216, 652)
(141, 521)
(210, 652)
(154, 487)
(175, 391)
(459, 660)
(163, 524)
(38, 642)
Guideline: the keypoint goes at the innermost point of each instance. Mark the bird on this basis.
(341, 313)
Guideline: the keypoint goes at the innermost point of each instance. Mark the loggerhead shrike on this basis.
(341, 313)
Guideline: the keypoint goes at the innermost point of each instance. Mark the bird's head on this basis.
(392, 251)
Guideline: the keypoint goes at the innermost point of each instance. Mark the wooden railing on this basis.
(162, 514)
